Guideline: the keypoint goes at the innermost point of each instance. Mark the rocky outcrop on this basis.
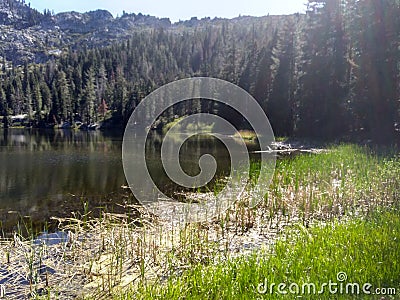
(18, 15)
(74, 22)
(27, 35)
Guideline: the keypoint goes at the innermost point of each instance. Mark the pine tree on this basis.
(3, 107)
(321, 86)
(375, 34)
(63, 96)
(280, 106)
(103, 108)
(120, 98)
(89, 97)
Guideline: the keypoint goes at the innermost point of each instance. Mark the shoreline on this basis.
(114, 253)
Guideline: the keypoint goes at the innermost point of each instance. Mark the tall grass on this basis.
(344, 184)
(346, 180)
(366, 249)
(318, 217)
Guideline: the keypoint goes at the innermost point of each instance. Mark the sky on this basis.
(177, 9)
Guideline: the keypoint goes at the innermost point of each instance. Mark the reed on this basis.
(336, 201)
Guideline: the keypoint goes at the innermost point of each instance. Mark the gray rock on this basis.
(27, 35)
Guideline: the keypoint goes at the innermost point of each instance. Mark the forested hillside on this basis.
(332, 73)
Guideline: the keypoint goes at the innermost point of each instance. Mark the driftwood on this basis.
(282, 149)
(293, 151)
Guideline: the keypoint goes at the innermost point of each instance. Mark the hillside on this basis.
(27, 35)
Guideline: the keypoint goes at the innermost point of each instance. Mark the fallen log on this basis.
(290, 152)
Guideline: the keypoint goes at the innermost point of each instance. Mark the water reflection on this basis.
(47, 173)
(49, 170)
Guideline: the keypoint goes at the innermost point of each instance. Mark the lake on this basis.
(45, 173)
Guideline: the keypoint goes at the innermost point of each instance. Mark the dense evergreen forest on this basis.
(331, 73)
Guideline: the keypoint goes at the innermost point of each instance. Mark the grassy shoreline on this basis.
(339, 195)
(304, 260)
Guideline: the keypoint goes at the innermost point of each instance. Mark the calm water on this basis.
(48, 173)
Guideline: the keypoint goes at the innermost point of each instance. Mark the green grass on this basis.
(247, 135)
(367, 250)
(188, 128)
(322, 214)
(336, 203)
(348, 179)
(281, 138)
